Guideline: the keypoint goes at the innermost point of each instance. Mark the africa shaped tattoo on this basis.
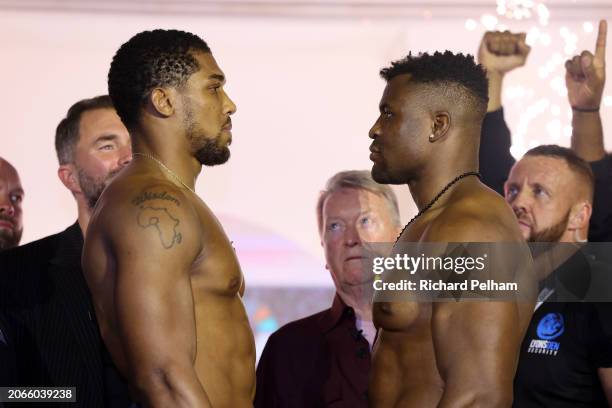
(164, 223)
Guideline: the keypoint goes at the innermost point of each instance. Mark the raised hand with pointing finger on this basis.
(585, 75)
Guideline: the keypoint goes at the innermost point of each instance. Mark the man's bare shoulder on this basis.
(152, 205)
(483, 216)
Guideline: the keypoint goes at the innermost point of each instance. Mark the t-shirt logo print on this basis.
(550, 327)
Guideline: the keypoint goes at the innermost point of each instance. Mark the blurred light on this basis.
(555, 110)
(543, 12)
(514, 92)
(545, 39)
(517, 151)
(567, 131)
(471, 24)
(587, 27)
(607, 100)
(501, 9)
(557, 58)
(570, 49)
(542, 72)
(557, 83)
(564, 32)
(489, 21)
(532, 36)
(554, 129)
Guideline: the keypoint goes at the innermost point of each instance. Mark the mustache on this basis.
(8, 218)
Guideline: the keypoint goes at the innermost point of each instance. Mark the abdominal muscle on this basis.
(225, 354)
(404, 372)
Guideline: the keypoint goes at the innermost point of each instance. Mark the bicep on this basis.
(476, 347)
(153, 300)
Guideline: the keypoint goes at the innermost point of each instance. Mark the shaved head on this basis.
(11, 197)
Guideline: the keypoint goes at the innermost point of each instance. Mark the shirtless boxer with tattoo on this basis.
(165, 280)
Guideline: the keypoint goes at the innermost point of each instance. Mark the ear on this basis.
(162, 101)
(580, 215)
(441, 126)
(67, 174)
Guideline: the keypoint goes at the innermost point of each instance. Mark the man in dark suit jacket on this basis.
(49, 333)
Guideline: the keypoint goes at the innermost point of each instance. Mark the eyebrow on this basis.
(105, 138)
(18, 191)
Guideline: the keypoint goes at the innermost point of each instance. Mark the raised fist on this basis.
(501, 52)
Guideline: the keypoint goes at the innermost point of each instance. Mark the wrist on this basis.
(585, 109)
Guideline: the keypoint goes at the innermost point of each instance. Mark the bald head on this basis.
(11, 197)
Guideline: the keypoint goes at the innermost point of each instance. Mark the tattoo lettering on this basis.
(148, 196)
(164, 223)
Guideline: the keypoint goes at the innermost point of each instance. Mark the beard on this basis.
(9, 238)
(550, 234)
(211, 154)
(93, 187)
(207, 151)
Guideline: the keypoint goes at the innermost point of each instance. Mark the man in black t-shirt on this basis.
(565, 358)
(566, 355)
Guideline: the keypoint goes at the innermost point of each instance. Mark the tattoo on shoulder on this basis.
(149, 196)
(161, 221)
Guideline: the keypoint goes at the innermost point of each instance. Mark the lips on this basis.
(354, 257)
(524, 224)
(5, 224)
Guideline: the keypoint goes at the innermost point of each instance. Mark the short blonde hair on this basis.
(361, 180)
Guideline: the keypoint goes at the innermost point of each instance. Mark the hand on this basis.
(501, 52)
(585, 74)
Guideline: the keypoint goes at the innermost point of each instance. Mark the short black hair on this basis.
(443, 69)
(151, 59)
(67, 132)
(576, 164)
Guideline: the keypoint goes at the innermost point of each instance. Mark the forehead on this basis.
(549, 171)
(96, 121)
(208, 67)
(399, 89)
(351, 201)
(8, 173)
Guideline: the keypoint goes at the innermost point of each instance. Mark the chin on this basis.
(383, 177)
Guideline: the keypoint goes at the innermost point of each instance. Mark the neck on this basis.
(84, 214)
(359, 298)
(436, 174)
(175, 156)
(423, 193)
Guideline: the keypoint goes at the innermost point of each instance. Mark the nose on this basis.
(374, 131)
(352, 237)
(230, 106)
(125, 156)
(520, 202)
